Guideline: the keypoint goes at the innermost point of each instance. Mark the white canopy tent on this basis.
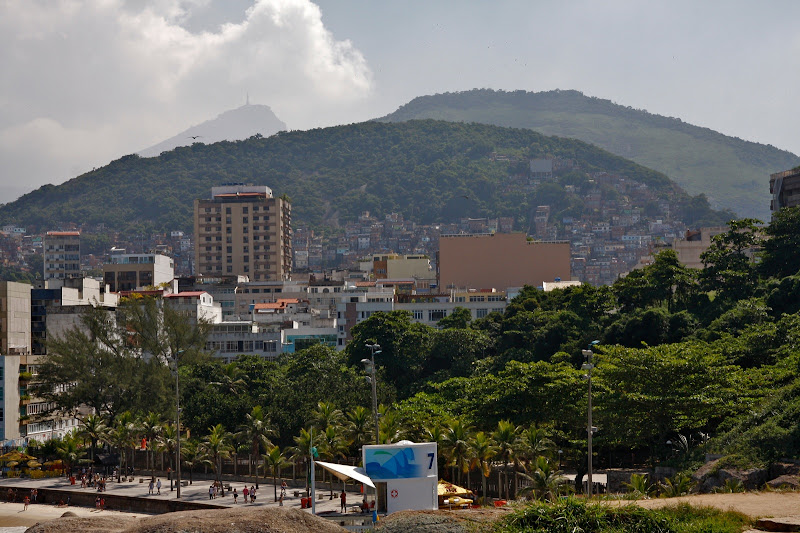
(344, 472)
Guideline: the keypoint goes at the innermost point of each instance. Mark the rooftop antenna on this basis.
(247, 100)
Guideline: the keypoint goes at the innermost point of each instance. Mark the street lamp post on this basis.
(177, 428)
(589, 366)
(370, 363)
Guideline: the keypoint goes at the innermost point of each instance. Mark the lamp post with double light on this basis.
(588, 366)
(177, 427)
(369, 365)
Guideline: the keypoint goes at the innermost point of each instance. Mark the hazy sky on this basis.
(85, 82)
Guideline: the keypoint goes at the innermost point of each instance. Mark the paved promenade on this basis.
(196, 492)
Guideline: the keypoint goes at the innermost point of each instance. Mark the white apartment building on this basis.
(355, 306)
(197, 305)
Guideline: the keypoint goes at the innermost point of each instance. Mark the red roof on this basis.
(185, 294)
(64, 233)
(280, 304)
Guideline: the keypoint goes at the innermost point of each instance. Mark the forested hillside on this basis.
(428, 170)
(732, 172)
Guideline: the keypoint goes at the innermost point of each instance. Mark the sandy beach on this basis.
(12, 514)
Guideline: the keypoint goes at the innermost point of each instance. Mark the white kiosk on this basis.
(406, 475)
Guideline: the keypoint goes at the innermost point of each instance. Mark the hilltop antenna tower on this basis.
(247, 99)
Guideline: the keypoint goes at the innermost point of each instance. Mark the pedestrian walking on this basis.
(235, 496)
(97, 503)
(26, 501)
(211, 492)
(158, 486)
(344, 501)
(35, 495)
(252, 494)
(150, 487)
(245, 493)
(283, 488)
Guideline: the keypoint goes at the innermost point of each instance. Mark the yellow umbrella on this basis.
(448, 490)
(16, 456)
(34, 464)
(12, 464)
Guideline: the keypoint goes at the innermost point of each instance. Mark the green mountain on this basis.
(733, 173)
(429, 171)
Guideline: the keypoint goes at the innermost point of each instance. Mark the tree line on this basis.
(688, 362)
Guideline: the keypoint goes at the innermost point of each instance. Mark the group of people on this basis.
(155, 483)
(246, 493)
(27, 499)
(91, 479)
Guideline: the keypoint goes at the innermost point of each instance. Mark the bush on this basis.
(571, 515)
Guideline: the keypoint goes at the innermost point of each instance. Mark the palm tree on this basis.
(123, 436)
(231, 380)
(257, 430)
(533, 442)
(359, 427)
(326, 414)
(150, 425)
(276, 460)
(302, 449)
(545, 480)
(483, 451)
(331, 445)
(69, 450)
(505, 437)
(216, 447)
(167, 442)
(390, 426)
(93, 428)
(191, 455)
(456, 440)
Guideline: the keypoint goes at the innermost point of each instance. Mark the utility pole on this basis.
(589, 366)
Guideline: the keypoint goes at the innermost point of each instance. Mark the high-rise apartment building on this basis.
(785, 189)
(62, 255)
(243, 230)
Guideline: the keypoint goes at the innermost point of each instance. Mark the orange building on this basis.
(500, 260)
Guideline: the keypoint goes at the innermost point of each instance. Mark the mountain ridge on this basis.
(231, 125)
(731, 171)
(423, 169)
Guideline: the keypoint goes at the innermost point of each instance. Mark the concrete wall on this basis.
(116, 502)
(499, 261)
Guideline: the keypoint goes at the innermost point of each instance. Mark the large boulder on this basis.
(713, 474)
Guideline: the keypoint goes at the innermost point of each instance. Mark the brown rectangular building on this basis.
(243, 230)
(500, 260)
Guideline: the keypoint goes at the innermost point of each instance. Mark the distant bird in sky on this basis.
(194, 136)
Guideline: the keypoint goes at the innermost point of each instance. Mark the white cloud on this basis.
(86, 81)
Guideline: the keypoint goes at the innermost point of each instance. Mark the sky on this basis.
(84, 82)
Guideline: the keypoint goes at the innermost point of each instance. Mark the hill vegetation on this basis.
(732, 172)
(430, 171)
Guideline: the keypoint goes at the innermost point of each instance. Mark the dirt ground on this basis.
(753, 504)
(12, 514)
(240, 520)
